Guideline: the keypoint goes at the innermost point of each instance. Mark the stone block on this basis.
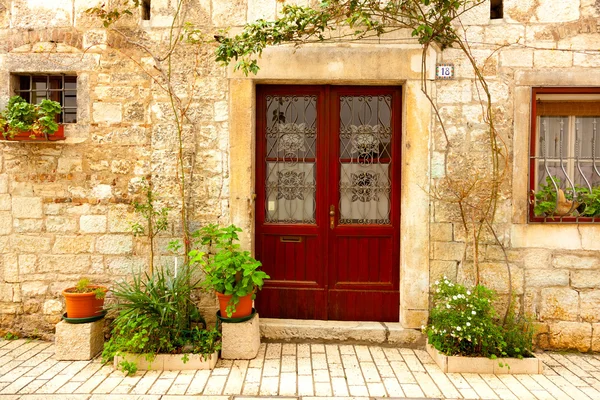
(585, 279)
(573, 261)
(261, 9)
(29, 244)
(516, 58)
(108, 113)
(478, 15)
(69, 165)
(3, 183)
(559, 304)
(590, 306)
(27, 263)
(558, 11)
(411, 318)
(546, 277)
(114, 244)
(41, 15)
(221, 111)
(448, 250)
(308, 330)
(64, 264)
(5, 202)
(73, 244)
(405, 337)
(24, 225)
(440, 231)
(495, 276)
(10, 267)
(52, 307)
(27, 207)
(125, 265)
(552, 59)
(240, 341)
(439, 269)
(229, 13)
(571, 335)
(60, 224)
(452, 92)
(596, 337)
(5, 222)
(92, 223)
(74, 342)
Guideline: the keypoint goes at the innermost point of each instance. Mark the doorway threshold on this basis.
(351, 332)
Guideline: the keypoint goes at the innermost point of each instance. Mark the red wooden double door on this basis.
(328, 201)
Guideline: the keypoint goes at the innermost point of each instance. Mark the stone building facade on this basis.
(65, 208)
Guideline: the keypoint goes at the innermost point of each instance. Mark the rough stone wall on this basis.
(555, 268)
(65, 208)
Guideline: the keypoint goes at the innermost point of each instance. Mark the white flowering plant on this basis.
(463, 321)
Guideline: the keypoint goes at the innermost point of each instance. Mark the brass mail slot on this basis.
(290, 239)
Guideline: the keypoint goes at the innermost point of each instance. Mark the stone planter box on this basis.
(169, 362)
(482, 365)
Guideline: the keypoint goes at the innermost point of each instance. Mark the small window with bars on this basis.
(565, 155)
(60, 88)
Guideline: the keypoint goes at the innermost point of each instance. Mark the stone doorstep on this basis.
(168, 362)
(483, 365)
(382, 333)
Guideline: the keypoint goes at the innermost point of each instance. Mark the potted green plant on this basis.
(84, 300)
(158, 326)
(26, 121)
(232, 273)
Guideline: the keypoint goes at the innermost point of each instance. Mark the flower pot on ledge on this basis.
(37, 136)
(83, 305)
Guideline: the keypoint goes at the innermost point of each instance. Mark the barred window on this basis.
(60, 88)
(565, 155)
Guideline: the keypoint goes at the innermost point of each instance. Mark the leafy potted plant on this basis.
(232, 273)
(159, 326)
(26, 121)
(551, 200)
(84, 300)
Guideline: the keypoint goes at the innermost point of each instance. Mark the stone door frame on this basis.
(348, 65)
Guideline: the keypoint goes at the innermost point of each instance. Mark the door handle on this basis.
(331, 216)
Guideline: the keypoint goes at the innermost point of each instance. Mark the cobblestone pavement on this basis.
(29, 371)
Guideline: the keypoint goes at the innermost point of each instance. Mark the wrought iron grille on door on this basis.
(327, 210)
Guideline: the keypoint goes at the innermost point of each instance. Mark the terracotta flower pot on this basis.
(242, 309)
(83, 305)
(27, 136)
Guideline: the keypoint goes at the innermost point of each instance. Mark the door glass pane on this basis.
(365, 159)
(291, 157)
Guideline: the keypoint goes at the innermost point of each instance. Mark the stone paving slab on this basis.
(290, 371)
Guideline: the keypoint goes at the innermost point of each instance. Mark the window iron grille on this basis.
(565, 159)
(60, 88)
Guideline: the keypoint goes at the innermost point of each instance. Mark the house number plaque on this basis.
(444, 71)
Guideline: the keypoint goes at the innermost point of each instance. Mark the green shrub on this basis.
(464, 322)
(157, 315)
